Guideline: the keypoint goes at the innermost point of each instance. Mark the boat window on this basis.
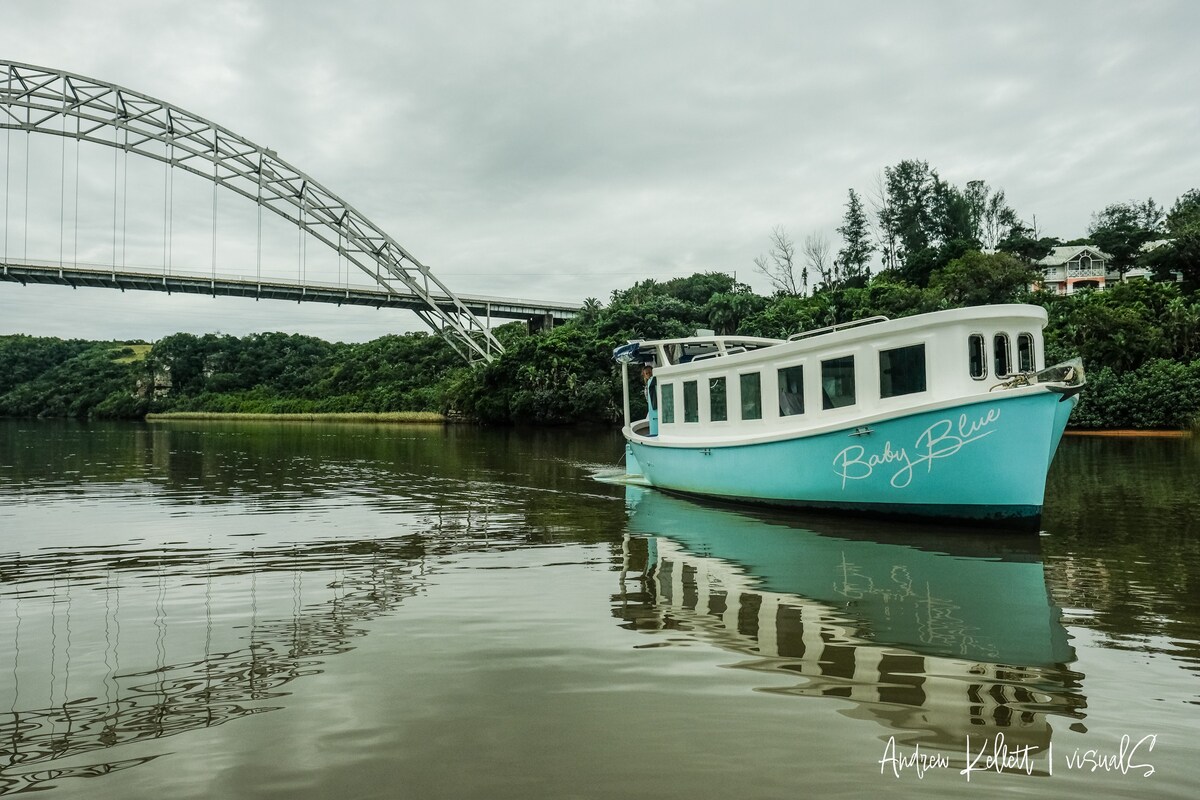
(837, 382)
(717, 411)
(691, 402)
(751, 384)
(668, 403)
(978, 357)
(1002, 349)
(902, 371)
(1025, 361)
(791, 391)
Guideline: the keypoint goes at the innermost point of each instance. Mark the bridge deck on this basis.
(272, 289)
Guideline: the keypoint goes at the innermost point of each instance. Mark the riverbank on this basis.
(425, 417)
(1133, 433)
(433, 418)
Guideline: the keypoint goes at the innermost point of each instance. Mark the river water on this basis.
(249, 610)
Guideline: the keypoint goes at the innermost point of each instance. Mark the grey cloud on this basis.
(559, 150)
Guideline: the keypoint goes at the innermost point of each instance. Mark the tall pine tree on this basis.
(855, 256)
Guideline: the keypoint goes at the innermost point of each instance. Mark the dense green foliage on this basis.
(1123, 229)
(1140, 340)
(942, 247)
(260, 373)
(1180, 252)
(56, 378)
(1160, 394)
(280, 373)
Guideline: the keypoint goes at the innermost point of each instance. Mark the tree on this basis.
(855, 256)
(1026, 242)
(906, 216)
(1122, 327)
(726, 311)
(590, 309)
(817, 259)
(953, 231)
(1181, 255)
(779, 265)
(925, 221)
(992, 220)
(884, 237)
(1184, 217)
(976, 279)
(1122, 228)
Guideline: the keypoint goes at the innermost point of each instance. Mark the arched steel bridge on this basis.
(40, 100)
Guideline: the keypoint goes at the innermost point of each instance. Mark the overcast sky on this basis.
(561, 150)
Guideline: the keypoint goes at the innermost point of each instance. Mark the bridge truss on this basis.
(39, 100)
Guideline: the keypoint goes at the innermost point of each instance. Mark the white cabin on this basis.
(726, 389)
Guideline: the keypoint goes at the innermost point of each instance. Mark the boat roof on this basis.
(688, 348)
(728, 341)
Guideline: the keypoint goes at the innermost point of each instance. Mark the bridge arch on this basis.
(40, 100)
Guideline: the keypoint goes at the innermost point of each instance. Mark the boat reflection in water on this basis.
(937, 635)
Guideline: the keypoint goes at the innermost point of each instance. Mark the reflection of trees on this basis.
(1124, 517)
(529, 476)
(220, 686)
(919, 697)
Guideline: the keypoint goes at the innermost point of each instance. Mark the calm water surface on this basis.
(307, 610)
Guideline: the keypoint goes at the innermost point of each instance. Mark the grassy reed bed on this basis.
(430, 417)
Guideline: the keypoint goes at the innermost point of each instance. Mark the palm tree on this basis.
(590, 310)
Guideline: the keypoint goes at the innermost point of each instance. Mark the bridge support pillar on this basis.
(542, 322)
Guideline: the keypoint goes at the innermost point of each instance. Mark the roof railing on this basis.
(840, 326)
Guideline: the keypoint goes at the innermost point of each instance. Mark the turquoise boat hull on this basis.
(981, 461)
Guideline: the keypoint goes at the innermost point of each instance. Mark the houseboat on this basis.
(951, 415)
